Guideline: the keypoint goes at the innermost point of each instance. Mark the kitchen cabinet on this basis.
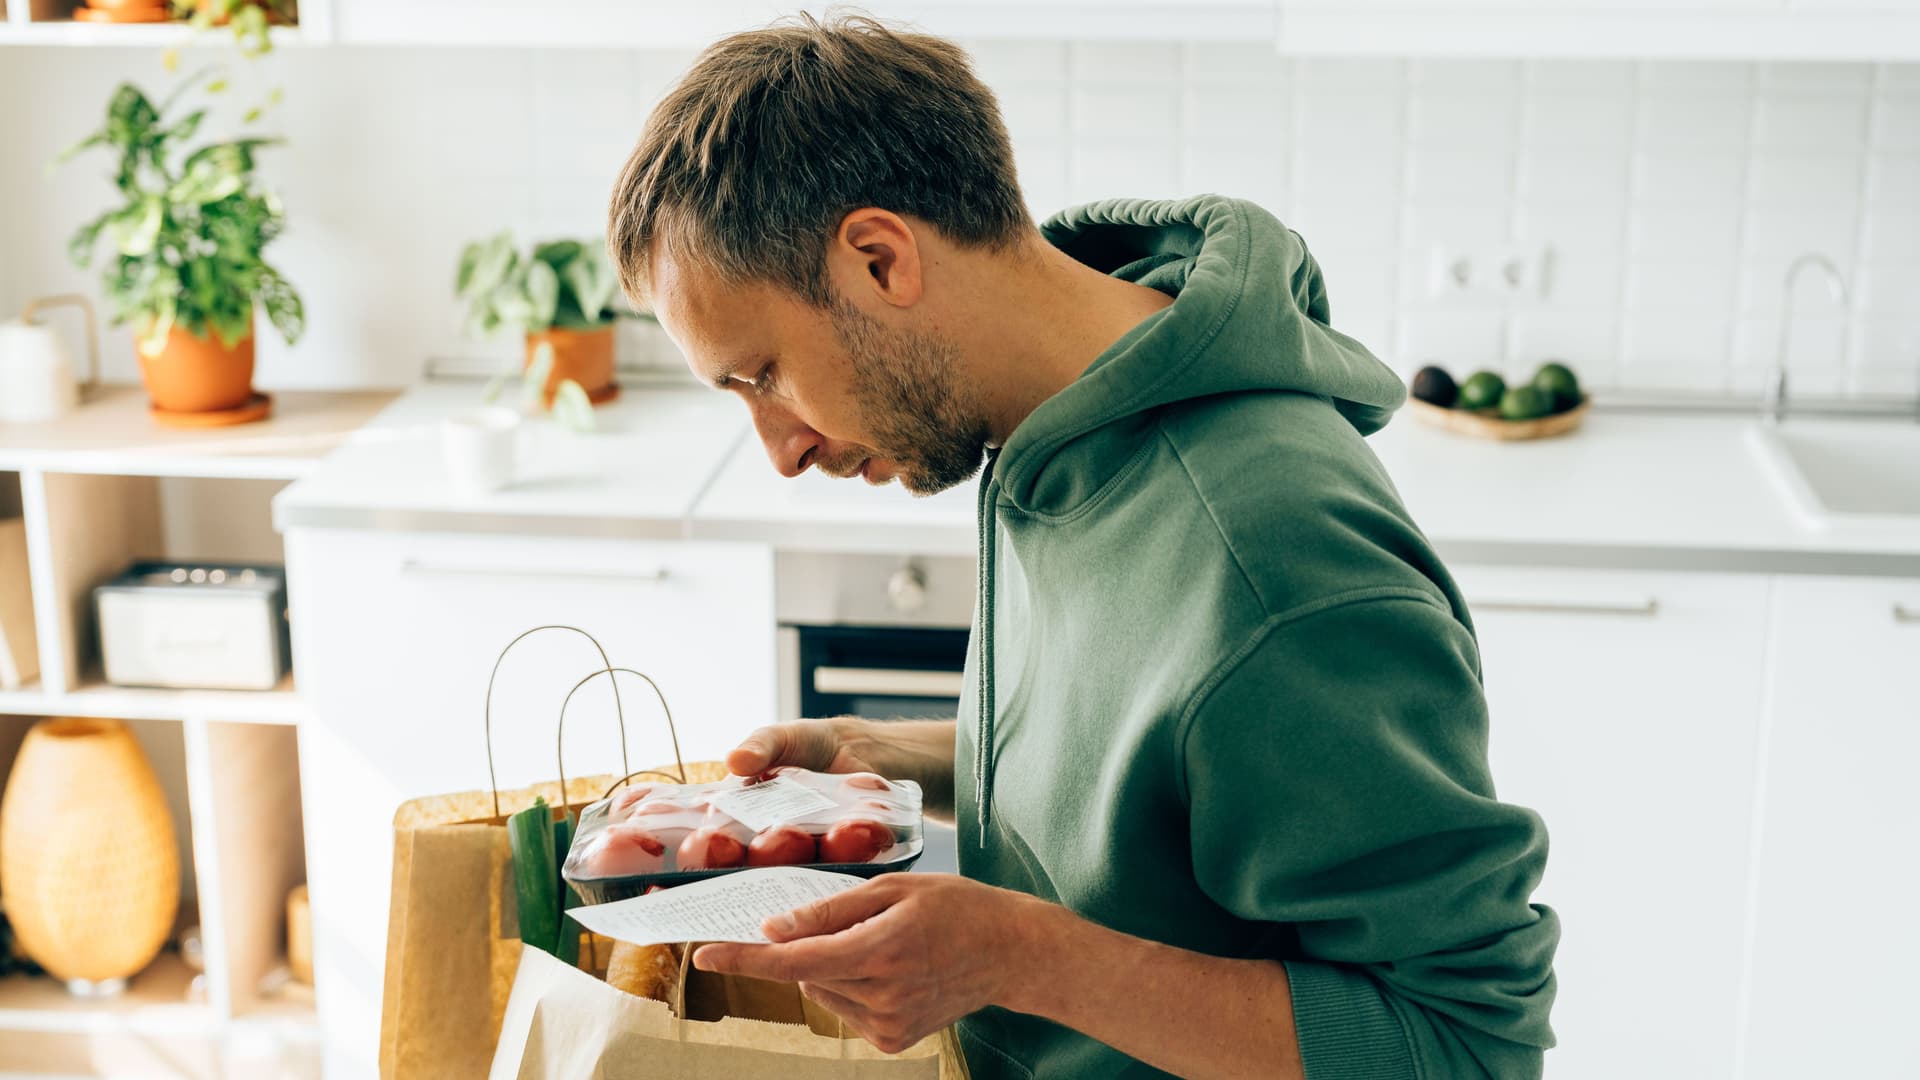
(660, 23)
(1834, 938)
(1630, 29)
(1625, 710)
(396, 634)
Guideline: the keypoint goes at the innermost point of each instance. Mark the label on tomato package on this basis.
(778, 801)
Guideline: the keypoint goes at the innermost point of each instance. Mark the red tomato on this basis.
(866, 781)
(782, 845)
(660, 806)
(624, 850)
(625, 798)
(711, 848)
(855, 840)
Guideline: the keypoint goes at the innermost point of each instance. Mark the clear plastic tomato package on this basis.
(652, 834)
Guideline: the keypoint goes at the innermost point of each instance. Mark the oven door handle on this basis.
(887, 682)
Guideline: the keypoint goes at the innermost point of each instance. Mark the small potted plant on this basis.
(559, 296)
(187, 268)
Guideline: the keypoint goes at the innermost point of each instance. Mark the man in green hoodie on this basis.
(1221, 769)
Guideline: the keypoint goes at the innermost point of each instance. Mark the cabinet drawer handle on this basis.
(644, 576)
(1906, 615)
(887, 682)
(1649, 606)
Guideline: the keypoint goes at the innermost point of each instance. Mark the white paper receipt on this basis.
(727, 908)
(772, 802)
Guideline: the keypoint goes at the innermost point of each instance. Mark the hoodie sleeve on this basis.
(1338, 783)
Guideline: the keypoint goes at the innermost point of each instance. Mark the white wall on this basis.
(1671, 194)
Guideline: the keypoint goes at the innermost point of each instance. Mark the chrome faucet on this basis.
(1773, 408)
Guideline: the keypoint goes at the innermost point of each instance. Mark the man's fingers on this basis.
(759, 751)
(818, 959)
(891, 1034)
(810, 744)
(833, 914)
(857, 1016)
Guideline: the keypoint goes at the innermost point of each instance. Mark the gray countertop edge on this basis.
(479, 522)
(1677, 559)
(896, 540)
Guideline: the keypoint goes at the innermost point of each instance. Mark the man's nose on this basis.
(790, 443)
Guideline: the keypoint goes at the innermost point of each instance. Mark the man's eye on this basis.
(763, 382)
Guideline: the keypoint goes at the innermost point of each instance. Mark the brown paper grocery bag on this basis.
(452, 930)
(563, 1024)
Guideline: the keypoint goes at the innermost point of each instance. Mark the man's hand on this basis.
(917, 750)
(897, 958)
(819, 745)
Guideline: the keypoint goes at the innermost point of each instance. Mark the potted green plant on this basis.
(186, 264)
(559, 295)
(248, 19)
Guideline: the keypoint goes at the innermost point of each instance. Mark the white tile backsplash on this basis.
(1125, 63)
(1595, 122)
(1692, 178)
(1826, 122)
(1125, 111)
(1671, 195)
(1573, 174)
(1451, 120)
(1803, 178)
(1694, 121)
(1896, 120)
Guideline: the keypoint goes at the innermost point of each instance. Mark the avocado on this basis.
(1560, 384)
(1525, 403)
(1482, 390)
(1434, 386)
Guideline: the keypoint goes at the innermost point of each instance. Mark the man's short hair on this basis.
(747, 166)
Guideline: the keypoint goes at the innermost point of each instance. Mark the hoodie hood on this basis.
(1249, 314)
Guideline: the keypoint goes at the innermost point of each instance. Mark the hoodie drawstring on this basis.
(983, 750)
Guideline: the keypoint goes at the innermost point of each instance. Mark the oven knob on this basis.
(907, 588)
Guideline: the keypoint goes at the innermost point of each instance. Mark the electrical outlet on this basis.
(1502, 273)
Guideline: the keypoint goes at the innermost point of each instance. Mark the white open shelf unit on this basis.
(51, 22)
(94, 491)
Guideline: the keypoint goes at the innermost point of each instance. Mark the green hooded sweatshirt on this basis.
(1222, 694)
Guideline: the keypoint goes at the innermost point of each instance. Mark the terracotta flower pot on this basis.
(585, 356)
(195, 375)
(87, 857)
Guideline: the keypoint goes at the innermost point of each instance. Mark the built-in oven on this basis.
(887, 673)
(877, 636)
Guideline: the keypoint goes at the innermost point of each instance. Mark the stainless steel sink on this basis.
(1845, 473)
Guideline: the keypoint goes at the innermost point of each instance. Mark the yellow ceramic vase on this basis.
(88, 867)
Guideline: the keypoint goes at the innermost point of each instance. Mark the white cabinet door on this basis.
(1625, 710)
(1837, 923)
(396, 635)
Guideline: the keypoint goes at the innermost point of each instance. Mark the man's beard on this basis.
(905, 385)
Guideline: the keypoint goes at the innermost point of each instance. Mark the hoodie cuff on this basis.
(1345, 1027)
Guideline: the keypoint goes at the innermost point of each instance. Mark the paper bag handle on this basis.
(560, 731)
(606, 665)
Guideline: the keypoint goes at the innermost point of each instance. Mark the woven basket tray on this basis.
(1487, 424)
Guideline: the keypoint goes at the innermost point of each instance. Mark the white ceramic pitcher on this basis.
(36, 371)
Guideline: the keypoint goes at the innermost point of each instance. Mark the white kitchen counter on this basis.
(815, 512)
(638, 475)
(1626, 490)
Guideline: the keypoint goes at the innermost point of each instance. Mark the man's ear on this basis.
(875, 252)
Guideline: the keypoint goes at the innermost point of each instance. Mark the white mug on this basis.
(36, 374)
(480, 446)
